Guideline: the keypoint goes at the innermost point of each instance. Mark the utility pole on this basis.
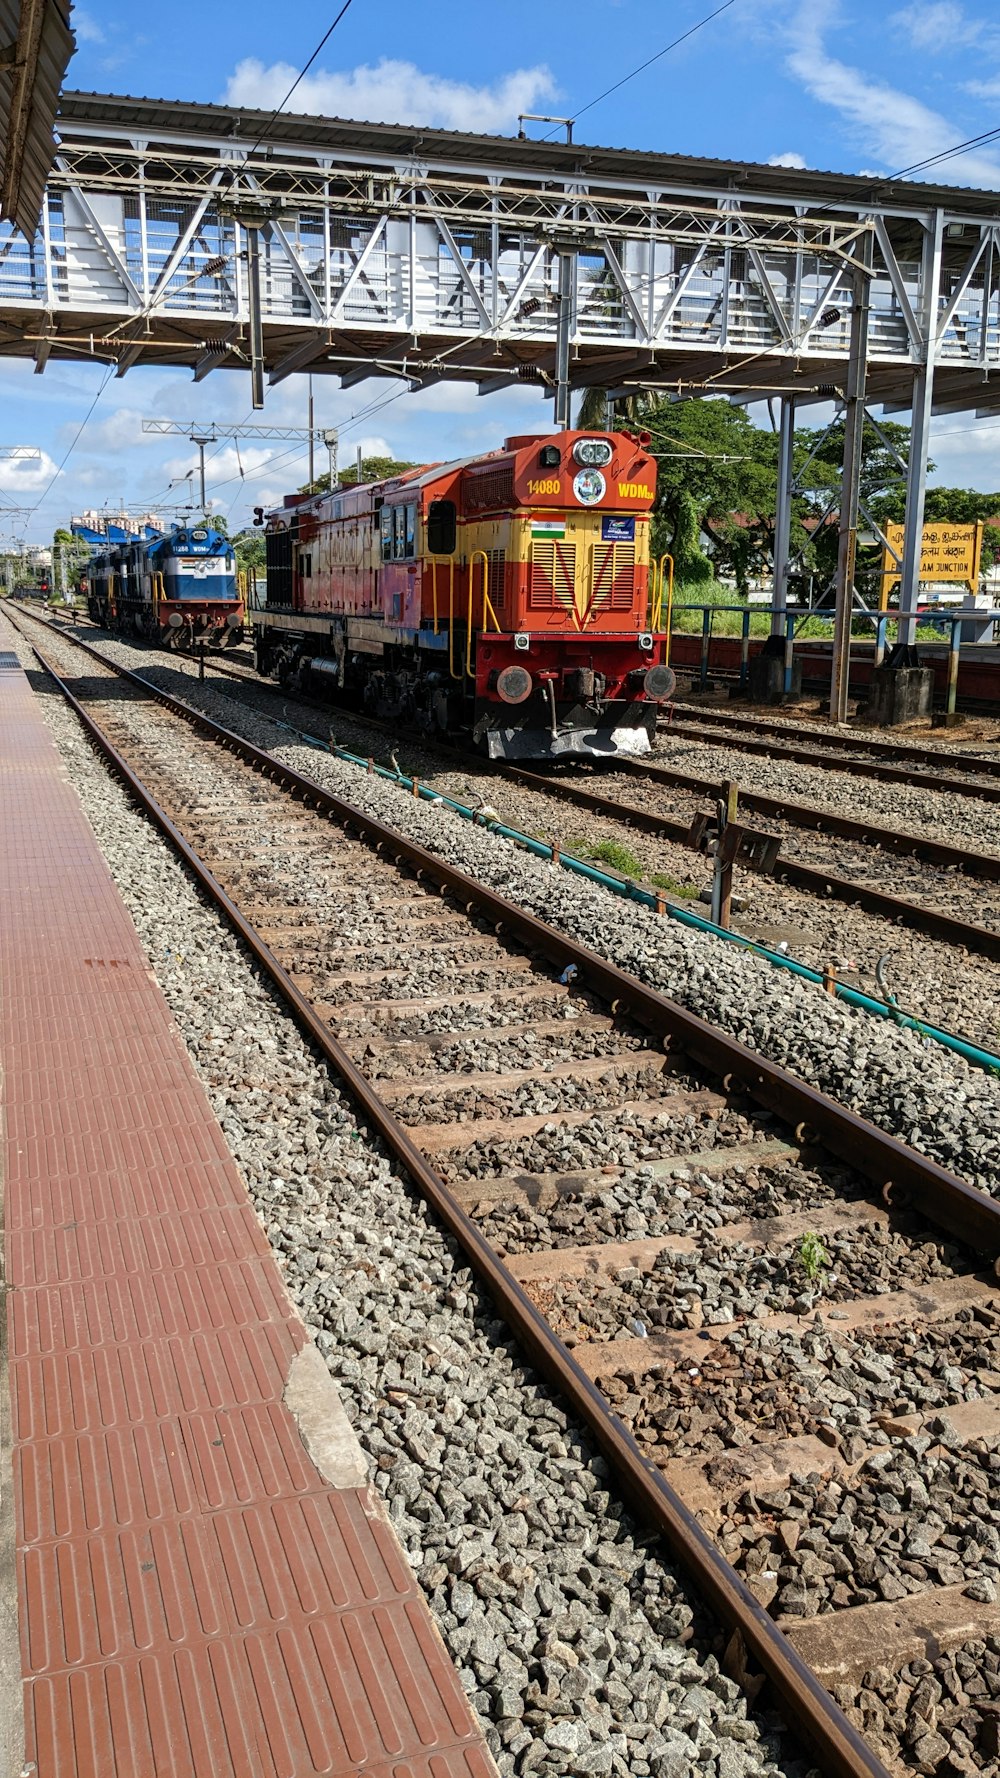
(201, 441)
(330, 439)
(312, 436)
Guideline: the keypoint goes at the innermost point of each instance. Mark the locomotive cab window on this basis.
(410, 535)
(386, 518)
(442, 528)
(398, 533)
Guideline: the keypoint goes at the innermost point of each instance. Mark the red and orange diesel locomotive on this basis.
(504, 598)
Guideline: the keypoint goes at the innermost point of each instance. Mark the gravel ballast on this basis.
(574, 1640)
(906, 1084)
(930, 978)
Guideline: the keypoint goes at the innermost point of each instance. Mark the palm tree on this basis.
(596, 413)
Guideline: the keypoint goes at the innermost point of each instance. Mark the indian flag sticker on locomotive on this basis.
(548, 530)
(617, 530)
(589, 487)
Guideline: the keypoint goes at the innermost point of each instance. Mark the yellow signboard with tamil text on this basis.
(948, 552)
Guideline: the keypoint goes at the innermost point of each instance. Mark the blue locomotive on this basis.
(176, 587)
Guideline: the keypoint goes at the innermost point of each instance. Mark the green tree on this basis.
(251, 550)
(74, 553)
(881, 470)
(373, 469)
(883, 488)
(712, 463)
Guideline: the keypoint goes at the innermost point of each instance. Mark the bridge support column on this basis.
(913, 529)
(783, 514)
(850, 485)
(564, 334)
(902, 690)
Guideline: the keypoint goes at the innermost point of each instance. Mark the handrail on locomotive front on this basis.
(487, 607)
(656, 600)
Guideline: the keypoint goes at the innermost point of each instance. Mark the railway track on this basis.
(814, 879)
(794, 814)
(930, 768)
(650, 1204)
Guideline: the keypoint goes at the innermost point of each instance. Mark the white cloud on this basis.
(370, 444)
(25, 475)
(87, 28)
(788, 159)
(113, 436)
(269, 498)
(939, 26)
(393, 92)
(899, 127)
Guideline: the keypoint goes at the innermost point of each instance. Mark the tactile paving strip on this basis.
(194, 1600)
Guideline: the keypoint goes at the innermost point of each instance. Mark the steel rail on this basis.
(831, 740)
(857, 768)
(810, 1711)
(813, 879)
(867, 833)
(900, 1172)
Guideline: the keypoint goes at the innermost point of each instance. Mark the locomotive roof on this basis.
(419, 477)
(433, 472)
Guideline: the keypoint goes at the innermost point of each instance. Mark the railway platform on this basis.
(196, 1580)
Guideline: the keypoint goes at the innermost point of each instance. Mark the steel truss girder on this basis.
(451, 269)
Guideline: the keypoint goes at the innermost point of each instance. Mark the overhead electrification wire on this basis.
(71, 447)
(300, 76)
(648, 63)
(324, 40)
(946, 154)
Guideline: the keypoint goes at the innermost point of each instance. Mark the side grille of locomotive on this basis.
(496, 582)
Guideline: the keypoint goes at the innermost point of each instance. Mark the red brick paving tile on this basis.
(90, 1390)
(194, 1600)
(91, 1247)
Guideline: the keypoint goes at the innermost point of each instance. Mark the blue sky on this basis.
(832, 84)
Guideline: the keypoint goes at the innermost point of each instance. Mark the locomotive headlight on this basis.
(595, 453)
(521, 640)
(645, 640)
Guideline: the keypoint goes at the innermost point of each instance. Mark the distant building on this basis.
(98, 527)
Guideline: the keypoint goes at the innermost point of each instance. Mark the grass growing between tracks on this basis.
(621, 859)
(671, 886)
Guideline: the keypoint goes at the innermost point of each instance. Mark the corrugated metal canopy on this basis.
(35, 47)
(173, 119)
